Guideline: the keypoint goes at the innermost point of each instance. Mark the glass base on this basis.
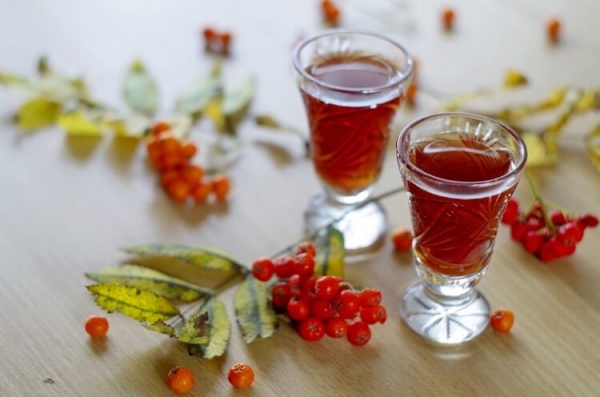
(364, 229)
(444, 320)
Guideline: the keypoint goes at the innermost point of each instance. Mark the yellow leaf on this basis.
(538, 151)
(80, 123)
(253, 310)
(196, 330)
(37, 113)
(206, 258)
(150, 280)
(220, 329)
(330, 253)
(592, 146)
(514, 79)
(214, 111)
(162, 327)
(138, 304)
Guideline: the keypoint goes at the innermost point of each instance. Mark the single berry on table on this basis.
(97, 326)
(241, 376)
(180, 380)
(502, 320)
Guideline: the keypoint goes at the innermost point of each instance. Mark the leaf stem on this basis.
(314, 233)
(230, 282)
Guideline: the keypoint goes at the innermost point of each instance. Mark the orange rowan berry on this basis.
(411, 94)
(241, 376)
(188, 149)
(448, 17)
(96, 326)
(221, 186)
(225, 41)
(178, 190)
(180, 380)
(209, 33)
(169, 177)
(201, 191)
(159, 127)
(553, 30)
(192, 174)
(502, 320)
(169, 144)
(331, 13)
(402, 239)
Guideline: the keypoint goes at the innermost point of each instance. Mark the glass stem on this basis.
(313, 234)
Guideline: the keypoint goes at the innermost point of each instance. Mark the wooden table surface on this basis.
(68, 204)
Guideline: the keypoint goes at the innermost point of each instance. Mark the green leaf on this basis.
(253, 310)
(133, 302)
(140, 90)
(220, 330)
(81, 122)
(236, 102)
(151, 280)
(37, 113)
(162, 327)
(194, 100)
(206, 258)
(196, 330)
(330, 253)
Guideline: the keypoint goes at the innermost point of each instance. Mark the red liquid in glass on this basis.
(455, 237)
(349, 131)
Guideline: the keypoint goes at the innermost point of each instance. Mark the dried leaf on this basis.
(206, 258)
(253, 310)
(196, 330)
(514, 79)
(330, 253)
(538, 151)
(140, 90)
(133, 302)
(81, 122)
(37, 113)
(220, 329)
(150, 280)
(162, 327)
(195, 99)
(592, 146)
(265, 120)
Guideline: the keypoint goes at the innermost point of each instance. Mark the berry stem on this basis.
(313, 234)
(538, 198)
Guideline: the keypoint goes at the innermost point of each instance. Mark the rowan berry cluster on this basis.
(546, 234)
(179, 177)
(319, 305)
(216, 42)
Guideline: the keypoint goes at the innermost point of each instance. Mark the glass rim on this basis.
(398, 79)
(483, 183)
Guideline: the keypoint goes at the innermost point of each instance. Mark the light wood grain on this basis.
(67, 205)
